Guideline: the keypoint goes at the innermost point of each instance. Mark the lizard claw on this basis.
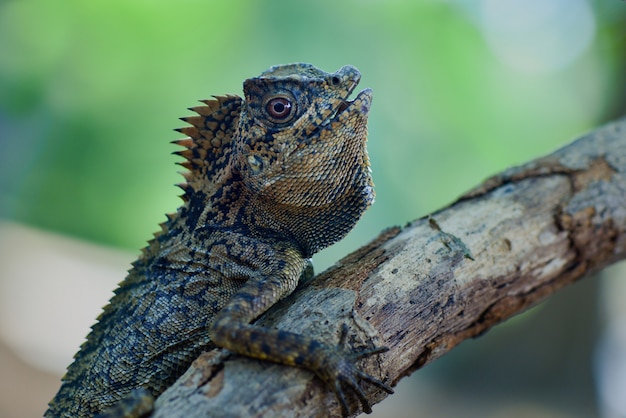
(341, 374)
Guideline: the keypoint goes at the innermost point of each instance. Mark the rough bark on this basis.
(420, 290)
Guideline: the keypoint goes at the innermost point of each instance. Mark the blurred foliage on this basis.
(89, 93)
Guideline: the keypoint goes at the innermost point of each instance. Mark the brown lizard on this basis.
(272, 179)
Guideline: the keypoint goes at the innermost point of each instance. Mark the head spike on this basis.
(208, 146)
(187, 164)
(191, 131)
(197, 121)
(184, 142)
(212, 104)
(202, 110)
(185, 153)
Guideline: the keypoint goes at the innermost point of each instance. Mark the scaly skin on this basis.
(273, 178)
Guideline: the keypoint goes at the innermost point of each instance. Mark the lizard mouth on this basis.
(359, 106)
(343, 106)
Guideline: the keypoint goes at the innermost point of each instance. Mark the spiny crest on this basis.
(206, 153)
(208, 145)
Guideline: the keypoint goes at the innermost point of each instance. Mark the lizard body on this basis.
(272, 178)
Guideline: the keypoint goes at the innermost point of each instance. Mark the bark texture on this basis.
(420, 290)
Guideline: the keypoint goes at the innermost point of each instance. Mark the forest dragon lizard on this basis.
(272, 178)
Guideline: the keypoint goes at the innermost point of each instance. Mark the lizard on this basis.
(270, 179)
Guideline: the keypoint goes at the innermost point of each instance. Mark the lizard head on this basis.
(300, 149)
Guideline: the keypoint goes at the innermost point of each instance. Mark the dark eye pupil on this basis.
(279, 108)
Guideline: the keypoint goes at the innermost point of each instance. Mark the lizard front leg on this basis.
(232, 329)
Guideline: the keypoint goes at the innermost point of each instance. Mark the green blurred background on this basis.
(91, 90)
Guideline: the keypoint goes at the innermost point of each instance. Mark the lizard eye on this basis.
(280, 109)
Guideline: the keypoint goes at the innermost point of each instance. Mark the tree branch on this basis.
(421, 290)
